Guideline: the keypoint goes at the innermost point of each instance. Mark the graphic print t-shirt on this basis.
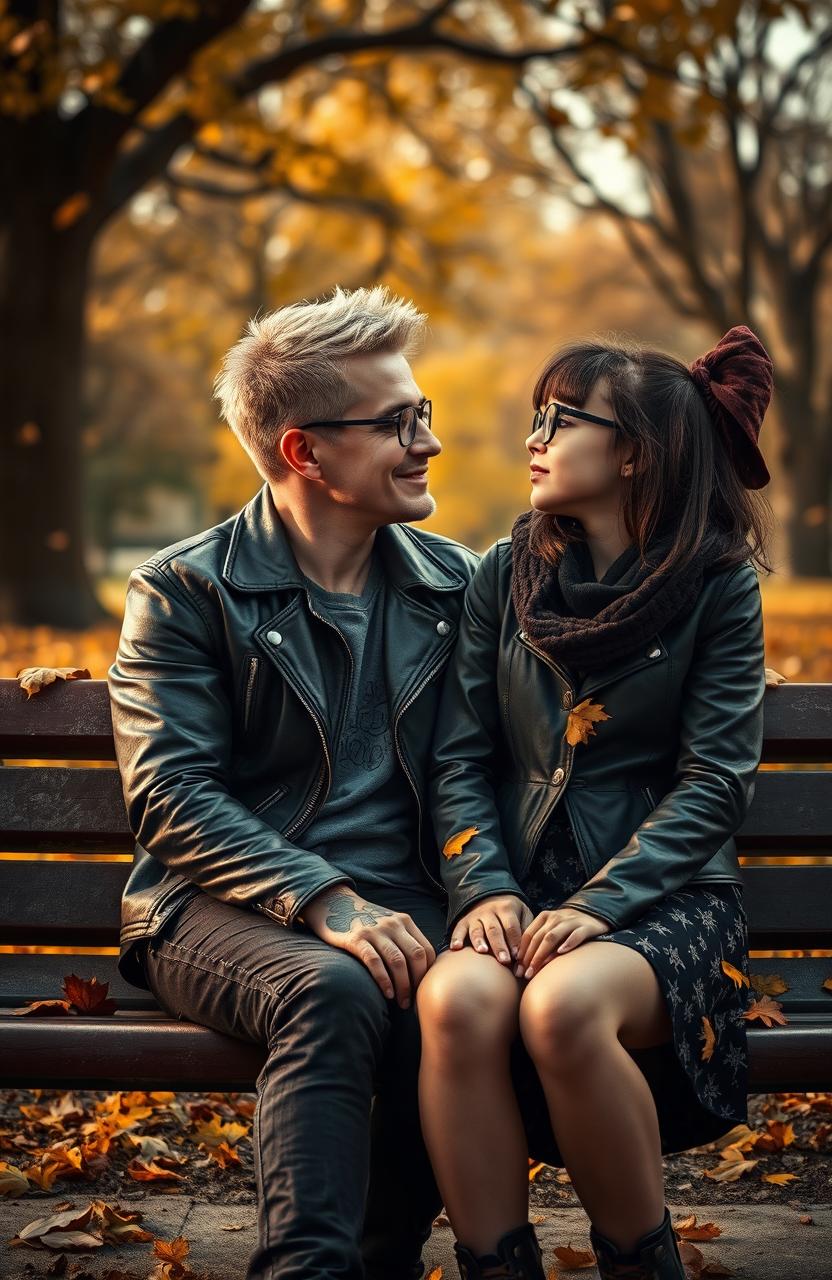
(368, 824)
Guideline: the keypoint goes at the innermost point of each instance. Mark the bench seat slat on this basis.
(150, 1050)
(153, 1051)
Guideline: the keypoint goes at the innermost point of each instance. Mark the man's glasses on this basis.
(406, 420)
(549, 418)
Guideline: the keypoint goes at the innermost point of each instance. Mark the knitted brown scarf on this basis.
(586, 624)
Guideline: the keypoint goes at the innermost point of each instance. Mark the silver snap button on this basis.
(558, 777)
(443, 627)
(655, 652)
(274, 637)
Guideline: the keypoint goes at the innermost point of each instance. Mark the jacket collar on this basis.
(260, 555)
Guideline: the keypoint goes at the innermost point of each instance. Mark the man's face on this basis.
(365, 466)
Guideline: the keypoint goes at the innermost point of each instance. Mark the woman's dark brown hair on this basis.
(683, 485)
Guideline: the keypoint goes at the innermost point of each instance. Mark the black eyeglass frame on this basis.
(423, 412)
(550, 418)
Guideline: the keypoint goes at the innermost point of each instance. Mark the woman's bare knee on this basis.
(467, 1001)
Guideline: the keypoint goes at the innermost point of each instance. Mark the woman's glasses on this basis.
(406, 420)
(550, 417)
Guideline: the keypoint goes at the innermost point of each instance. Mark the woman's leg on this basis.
(467, 1005)
(578, 1016)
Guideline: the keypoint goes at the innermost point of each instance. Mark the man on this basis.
(273, 698)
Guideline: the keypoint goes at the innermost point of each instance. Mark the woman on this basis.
(599, 735)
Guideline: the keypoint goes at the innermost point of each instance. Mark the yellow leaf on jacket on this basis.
(582, 719)
(457, 843)
(735, 974)
(710, 1040)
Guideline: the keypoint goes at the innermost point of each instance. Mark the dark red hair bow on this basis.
(736, 378)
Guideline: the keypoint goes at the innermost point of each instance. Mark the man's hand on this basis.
(494, 923)
(553, 933)
(388, 942)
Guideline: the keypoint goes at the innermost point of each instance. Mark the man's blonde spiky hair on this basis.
(289, 366)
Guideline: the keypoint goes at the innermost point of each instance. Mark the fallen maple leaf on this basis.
(44, 1174)
(779, 1134)
(687, 1229)
(13, 1181)
(33, 679)
(172, 1250)
(153, 1171)
(120, 1226)
(223, 1155)
(88, 995)
(46, 1008)
(732, 1166)
(694, 1264)
(582, 719)
(149, 1146)
(59, 1231)
(773, 678)
(734, 974)
(827, 984)
(574, 1259)
(767, 1010)
(778, 1178)
(769, 984)
(215, 1132)
(457, 843)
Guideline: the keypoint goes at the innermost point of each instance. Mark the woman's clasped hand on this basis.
(504, 926)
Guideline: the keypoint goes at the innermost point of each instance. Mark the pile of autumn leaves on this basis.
(88, 1142)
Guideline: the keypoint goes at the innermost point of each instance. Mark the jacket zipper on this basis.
(306, 816)
(408, 774)
(570, 751)
(251, 684)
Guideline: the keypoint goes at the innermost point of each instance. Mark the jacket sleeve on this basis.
(721, 742)
(465, 753)
(172, 720)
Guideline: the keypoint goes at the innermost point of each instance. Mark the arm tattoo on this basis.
(343, 912)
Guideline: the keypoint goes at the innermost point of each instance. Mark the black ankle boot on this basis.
(518, 1257)
(655, 1257)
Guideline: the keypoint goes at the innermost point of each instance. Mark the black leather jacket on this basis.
(222, 729)
(654, 797)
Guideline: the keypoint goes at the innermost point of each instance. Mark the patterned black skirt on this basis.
(685, 937)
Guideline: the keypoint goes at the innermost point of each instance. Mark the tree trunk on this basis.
(44, 275)
(807, 464)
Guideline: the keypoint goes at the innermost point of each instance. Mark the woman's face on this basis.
(580, 469)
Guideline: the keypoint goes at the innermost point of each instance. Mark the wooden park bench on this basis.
(65, 808)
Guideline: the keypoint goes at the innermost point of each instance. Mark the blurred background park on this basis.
(526, 171)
